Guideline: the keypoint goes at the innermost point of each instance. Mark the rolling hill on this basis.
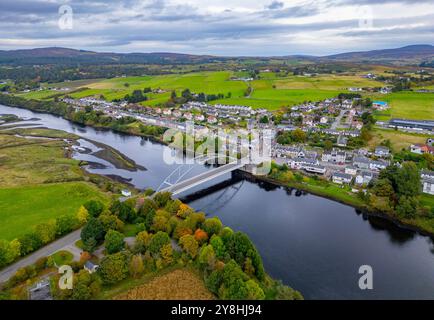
(414, 54)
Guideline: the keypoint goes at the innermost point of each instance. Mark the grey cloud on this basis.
(275, 5)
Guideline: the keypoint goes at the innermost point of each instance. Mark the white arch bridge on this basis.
(175, 185)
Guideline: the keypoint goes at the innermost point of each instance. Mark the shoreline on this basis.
(365, 209)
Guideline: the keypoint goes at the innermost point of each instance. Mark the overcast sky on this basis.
(219, 27)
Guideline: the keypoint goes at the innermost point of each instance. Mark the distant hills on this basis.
(414, 54)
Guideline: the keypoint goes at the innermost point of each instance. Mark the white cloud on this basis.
(238, 27)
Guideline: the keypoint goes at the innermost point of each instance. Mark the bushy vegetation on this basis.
(170, 235)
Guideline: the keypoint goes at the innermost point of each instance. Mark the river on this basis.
(311, 243)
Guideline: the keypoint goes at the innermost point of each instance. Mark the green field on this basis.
(399, 140)
(407, 105)
(271, 91)
(23, 207)
(38, 182)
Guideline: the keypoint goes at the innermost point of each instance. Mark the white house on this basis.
(341, 178)
(351, 170)
(323, 120)
(199, 117)
(428, 185)
(300, 163)
(315, 168)
(335, 156)
(361, 162)
(126, 193)
(378, 165)
(167, 112)
(382, 152)
(91, 267)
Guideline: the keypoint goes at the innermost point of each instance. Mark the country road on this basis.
(48, 250)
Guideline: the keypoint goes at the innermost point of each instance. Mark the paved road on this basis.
(48, 250)
(337, 121)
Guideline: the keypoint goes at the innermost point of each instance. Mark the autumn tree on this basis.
(110, 221)
(162, 198)
(142, 241)
(157, 242)
(190, 245)
(212, 226)
(9, 251)
(114, 241)
(254, 291)
(114, 267)
(92, 233)
(82, 215)
(207, 257)
(166, 254)
(184, 210)
(200, 235)
(136, 267)
(46, 231)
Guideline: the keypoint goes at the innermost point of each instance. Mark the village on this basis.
(339, 119)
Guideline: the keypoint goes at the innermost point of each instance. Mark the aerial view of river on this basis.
(313, 244)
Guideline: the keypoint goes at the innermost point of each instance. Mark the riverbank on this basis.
(422, 226)
(314, 186)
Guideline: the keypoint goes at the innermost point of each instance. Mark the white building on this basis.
(335, 156)
(341, 178)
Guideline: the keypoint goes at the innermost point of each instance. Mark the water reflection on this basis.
(313, 244)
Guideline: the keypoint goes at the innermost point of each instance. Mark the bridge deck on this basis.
(201, 178)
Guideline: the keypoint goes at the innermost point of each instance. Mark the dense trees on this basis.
(230, 263)
(9, 251)
(93, 233)
(400, 186)
(94, 207)
(135, 97)
(157, 242)
(114, 241)
(114, 267)
(288, 137)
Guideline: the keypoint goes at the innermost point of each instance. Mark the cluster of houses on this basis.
(220, 112)
(323, 116)
(341, 166)
(345, 167)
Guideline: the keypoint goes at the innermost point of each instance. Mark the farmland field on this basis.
(179, 284)
(271, 91)
(399, 140)
(408, 105)
(23, 207)
(37, 182)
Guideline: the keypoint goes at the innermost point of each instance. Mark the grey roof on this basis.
(89, 264)
(305, 160)
(342, 175)
(427, 173)
(381, 148)
(361, 160)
